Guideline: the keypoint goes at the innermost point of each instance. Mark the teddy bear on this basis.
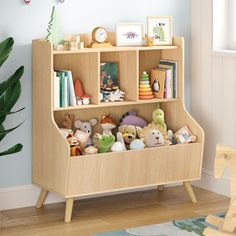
(87, 127)
(129, 132)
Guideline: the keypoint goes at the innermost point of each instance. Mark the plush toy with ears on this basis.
(129, 132)
(86, 127)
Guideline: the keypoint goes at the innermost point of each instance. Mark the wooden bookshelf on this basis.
(70, 177)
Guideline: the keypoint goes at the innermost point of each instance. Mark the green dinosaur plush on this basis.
(158, 117)
(103, 142)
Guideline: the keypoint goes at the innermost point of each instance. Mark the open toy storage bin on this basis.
(53, 168)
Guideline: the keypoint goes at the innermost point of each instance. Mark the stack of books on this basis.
(164, 80)
(64, 93)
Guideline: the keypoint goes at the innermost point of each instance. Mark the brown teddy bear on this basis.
(129, 132)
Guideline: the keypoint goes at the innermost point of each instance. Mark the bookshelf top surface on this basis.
(116, 49)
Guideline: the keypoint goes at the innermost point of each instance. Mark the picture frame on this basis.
(160, 28)
(109, 76)
(129, 34)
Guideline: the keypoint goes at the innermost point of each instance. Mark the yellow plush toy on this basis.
(129, 132)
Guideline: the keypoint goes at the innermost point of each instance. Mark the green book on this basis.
(62, 88)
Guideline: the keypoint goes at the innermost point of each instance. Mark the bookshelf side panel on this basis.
(49, 149)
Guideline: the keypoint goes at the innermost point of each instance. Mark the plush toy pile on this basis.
(132, 133)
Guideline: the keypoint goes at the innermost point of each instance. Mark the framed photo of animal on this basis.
(160, 29)
(129, 34)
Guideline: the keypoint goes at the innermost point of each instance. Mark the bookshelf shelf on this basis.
(53, 168)
(115, 104)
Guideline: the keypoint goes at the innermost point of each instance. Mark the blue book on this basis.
(172, 65)
(71, 90)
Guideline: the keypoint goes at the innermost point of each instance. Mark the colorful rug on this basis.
(186, 227)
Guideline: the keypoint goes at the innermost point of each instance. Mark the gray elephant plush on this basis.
(86, 127)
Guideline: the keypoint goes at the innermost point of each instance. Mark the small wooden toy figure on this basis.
(225, 157)
(156, 86)
(145, 91)
(150, 41)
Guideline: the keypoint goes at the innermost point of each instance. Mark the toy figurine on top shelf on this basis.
(149, 41)
(145, 91)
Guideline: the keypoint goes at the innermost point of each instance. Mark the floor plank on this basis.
(111, 213)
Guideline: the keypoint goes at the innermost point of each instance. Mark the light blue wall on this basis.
(25, 23)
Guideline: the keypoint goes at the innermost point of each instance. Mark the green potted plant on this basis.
(10, 91)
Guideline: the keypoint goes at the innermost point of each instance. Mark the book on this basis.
(173, 65)
(170, 76)
(168, 84)
(71, 90)
(109, 76)
(56, 90)
(71, 99)
(158, 82)
(61, 75)
(66, 100)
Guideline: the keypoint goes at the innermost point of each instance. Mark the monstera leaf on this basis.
(10, 91)
(5, 49)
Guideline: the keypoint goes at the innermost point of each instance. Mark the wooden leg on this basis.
(69, 208)
(215, 221)
(41, 198)
(190, 191)
(160, 188)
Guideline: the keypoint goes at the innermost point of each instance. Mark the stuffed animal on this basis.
(68, 121)
(76, 151)
(75, 147)
(72, 140)
(103, 142)
(86, 127)
(184, 135)
(154, 135)
(118, 146)
(107, 124)
(82, 138)
(131, 118)
(171, 137)
(129, 132)
(65, 132)
(90, 150)
(158, 117)
(137, 144)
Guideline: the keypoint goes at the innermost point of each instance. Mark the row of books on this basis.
(64, 93)
(164, 79)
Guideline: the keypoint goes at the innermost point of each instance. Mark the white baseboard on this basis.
(209, 182)
(25, 196)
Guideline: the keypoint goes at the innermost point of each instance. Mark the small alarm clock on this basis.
(99, 35)
(99, 38)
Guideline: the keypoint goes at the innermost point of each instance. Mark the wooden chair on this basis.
(225, 157)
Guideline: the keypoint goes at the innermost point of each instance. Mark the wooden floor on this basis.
(110, 213)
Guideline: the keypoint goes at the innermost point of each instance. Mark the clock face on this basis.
(100, 35)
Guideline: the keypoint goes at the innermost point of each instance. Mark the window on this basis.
(224, 25)
(232, 24)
